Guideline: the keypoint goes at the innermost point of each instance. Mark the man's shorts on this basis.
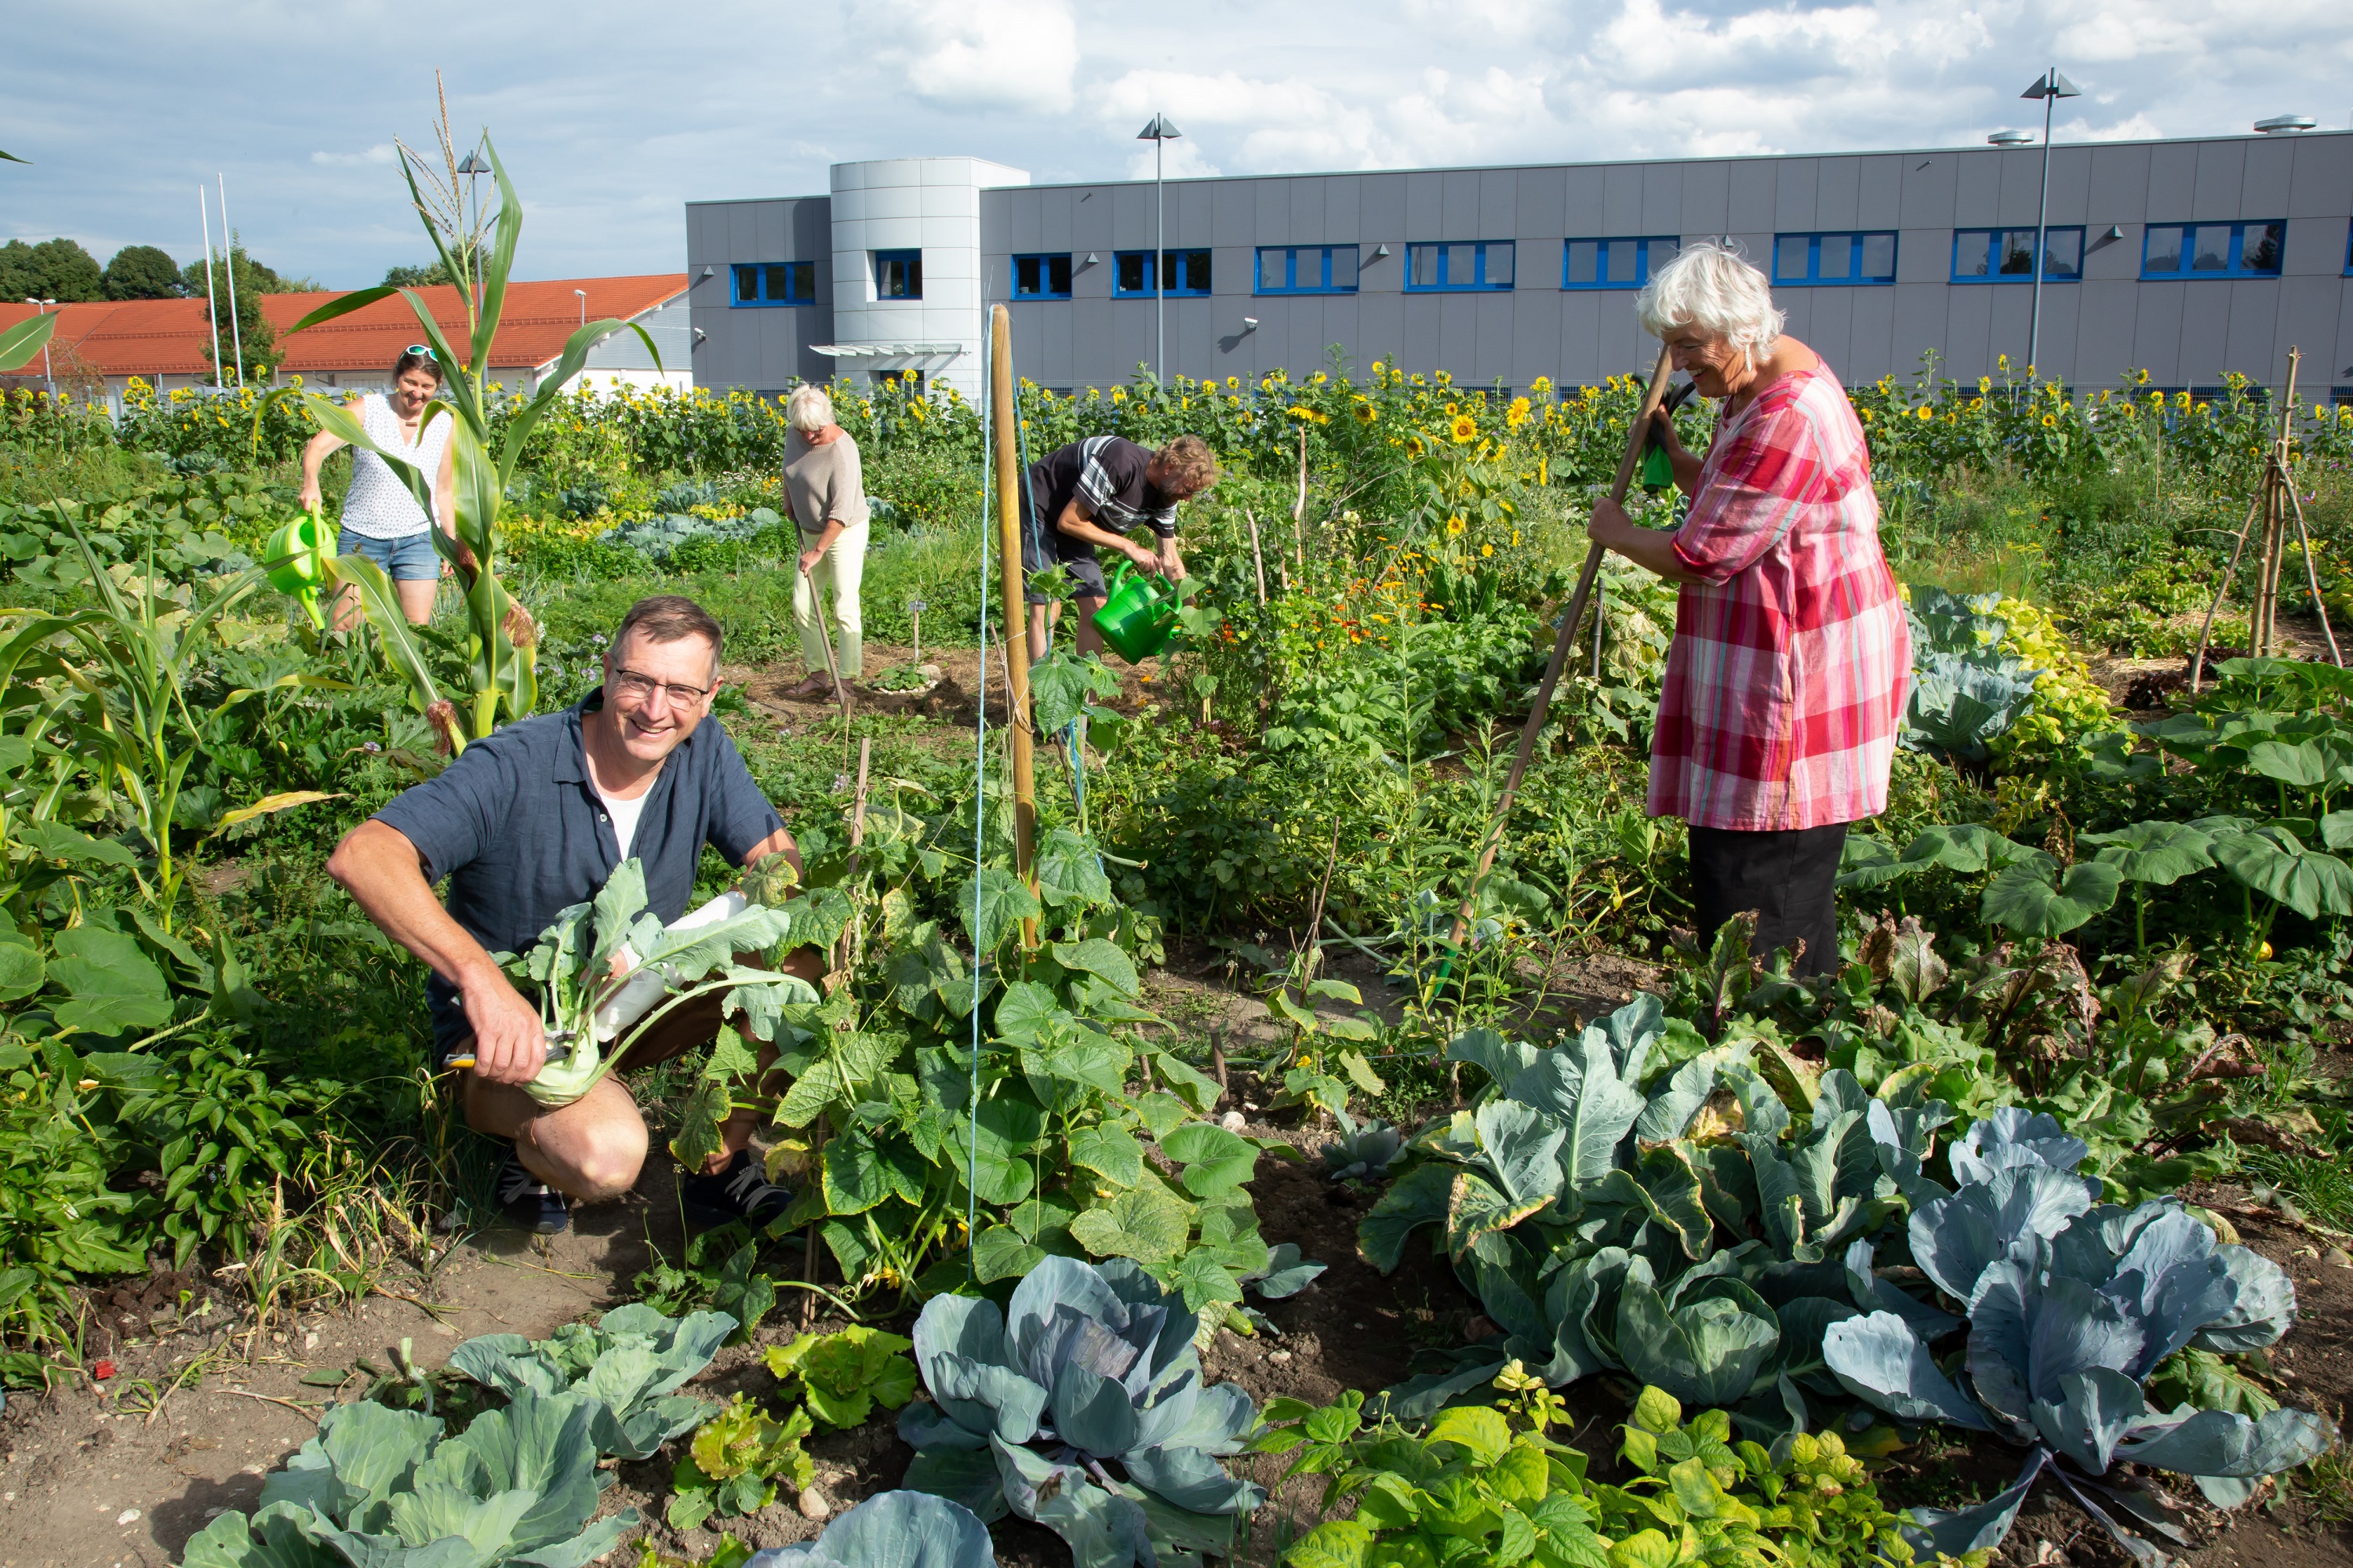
(1045, 547)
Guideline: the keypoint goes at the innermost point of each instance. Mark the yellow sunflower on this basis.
(1366, 413)
(1465, 430)
(1455, 524)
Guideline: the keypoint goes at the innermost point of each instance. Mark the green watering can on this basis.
(301, 550)
(1140, 618)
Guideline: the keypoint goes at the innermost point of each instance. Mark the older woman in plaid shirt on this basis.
(1785, 685)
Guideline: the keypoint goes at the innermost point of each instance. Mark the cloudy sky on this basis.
(609, 116)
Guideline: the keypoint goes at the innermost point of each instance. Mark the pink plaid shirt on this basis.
(1785, 685)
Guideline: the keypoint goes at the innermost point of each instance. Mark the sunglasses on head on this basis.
(419, 348)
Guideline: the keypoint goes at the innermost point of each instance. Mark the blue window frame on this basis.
(773, 283)
(1834, 260)
(1615, 263)
(2340, 396)
(1306, 270)
(2349, 250)
(898, 274)
(1133, 276)
(2249, 249)
(1041, 277)
(1459, 266)
(2007, 255)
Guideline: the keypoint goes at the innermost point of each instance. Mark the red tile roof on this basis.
(148, 337)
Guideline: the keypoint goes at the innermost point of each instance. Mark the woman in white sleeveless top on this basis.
(380, 519)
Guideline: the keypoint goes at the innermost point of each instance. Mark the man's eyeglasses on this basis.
(645, 688)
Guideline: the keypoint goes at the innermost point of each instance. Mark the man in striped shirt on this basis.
(1093, 494)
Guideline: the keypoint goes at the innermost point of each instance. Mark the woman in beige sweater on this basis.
(827, 492)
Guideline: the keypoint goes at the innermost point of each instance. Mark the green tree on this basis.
(259, 277)
(142, 272)
(415, 277)
(57, 270)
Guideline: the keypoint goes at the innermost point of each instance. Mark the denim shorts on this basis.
(410, 558)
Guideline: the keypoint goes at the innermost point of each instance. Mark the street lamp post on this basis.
(472, 165)
(2049, 86)
(1159, 133)
(42, 308)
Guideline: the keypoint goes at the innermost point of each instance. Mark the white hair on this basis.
(1708, 286)
(808, 409)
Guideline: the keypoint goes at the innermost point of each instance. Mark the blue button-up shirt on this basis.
(519, 831)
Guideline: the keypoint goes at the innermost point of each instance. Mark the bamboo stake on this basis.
(1257, 559)
(1637, 435)
(843, 950)
(2206, 631)
(1006, 417)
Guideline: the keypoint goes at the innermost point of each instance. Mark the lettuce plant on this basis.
(382, 1487)
(843, 1376)
(630, 1364)
(1091, 1369)
(737, 1462)
(2072, 1308)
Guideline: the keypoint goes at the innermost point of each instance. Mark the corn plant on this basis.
(108, 686)
(499, 654)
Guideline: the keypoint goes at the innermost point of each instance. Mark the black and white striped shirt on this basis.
(1105, 475)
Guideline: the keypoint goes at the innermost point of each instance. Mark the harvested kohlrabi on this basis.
(607, 971)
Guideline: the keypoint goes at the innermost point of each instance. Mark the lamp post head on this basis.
(473, 163)
(1162, 129)
(2051, 84)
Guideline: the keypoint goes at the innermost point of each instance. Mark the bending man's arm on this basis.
(377, 865)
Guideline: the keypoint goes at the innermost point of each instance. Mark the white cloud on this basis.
(982, 54)
(380, 154)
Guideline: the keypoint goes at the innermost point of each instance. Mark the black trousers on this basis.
(1789, 877)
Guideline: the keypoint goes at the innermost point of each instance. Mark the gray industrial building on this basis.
(2187, 259)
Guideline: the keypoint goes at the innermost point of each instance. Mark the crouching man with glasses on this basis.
(536, 818)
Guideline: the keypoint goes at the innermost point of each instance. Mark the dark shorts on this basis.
(1043, 547)
(1789, 877)
(410, 558)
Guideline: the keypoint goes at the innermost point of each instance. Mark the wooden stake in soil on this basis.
(844, 950)
(1218, 1060)
(1006, 416)
(1637, 435)
(1257, 559)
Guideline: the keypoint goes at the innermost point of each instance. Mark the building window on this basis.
(1132, 276)
(775, 283)
(1811, 259)
(1041, 277)
(1306, 270)
(2007, 255)
(1458, 266)
(2349, 250)
(2341, 396)
(898, 274)
(1615, 263)
(2212, 249)
(909, 381)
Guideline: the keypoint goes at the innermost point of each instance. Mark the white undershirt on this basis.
(625, 815)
